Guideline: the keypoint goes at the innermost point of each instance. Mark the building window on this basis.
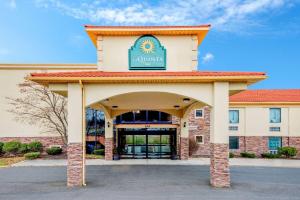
(198, 113)
(199, 139)
(274, 144)
(233, 116)
(275, 115)
(233, 128)
(234, 142)
(275, 129)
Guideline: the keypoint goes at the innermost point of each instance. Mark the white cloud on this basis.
(12, 4)
(208, 57)
(224, 15)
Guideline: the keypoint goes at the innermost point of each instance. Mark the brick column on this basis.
(75, 165)
(219, 165)
(184, 148)
(109, 146)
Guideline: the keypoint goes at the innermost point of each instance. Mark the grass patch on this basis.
(93, 156)
(5, 162)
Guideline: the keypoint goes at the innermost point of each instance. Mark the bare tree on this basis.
(39, 106)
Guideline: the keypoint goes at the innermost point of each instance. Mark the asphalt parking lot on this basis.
(149, 182)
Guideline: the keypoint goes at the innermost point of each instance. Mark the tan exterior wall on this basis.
(254, 121)
(181, 52)
(10, 77)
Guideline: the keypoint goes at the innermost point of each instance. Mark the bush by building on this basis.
(288, 152)
(248, 155)
(23, 148)
(54, 151)
(32, 155)
(1, 147)
(270, 155)
(231, 155)
(35, 146)
(99, 151)
(11, 147)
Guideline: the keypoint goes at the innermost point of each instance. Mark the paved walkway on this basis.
(193, 161)
(149, 182)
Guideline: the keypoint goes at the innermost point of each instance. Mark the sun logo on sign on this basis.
(147, 46)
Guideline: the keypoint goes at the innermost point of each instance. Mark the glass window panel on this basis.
(164, 117)
(140, 139)
(165, 139)
(153, 116)
(233, 116)
(274, 143)
(199, 113)
(275, 115)
(166, 149)
(127, 117)
(140, 116)
(154, 139)
(129, 139)
(199, 139)
(233, 142)
(154, 149)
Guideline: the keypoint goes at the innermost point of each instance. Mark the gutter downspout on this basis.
(83, 133)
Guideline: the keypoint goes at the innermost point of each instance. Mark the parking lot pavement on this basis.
(136, 182)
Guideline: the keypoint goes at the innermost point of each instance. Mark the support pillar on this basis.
(219, 148)
(75, 149)
(109, 139)
(184, 139)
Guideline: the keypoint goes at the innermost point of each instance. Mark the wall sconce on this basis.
(108, 124)
(184, 124)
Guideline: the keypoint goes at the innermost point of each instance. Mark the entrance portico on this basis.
(151, 72)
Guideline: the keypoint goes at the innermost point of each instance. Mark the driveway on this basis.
(153, 182)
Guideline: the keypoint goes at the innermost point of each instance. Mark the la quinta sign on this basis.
(147, 54)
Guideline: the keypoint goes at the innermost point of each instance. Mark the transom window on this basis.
(198, 113)
(234, 116)
(275, 115)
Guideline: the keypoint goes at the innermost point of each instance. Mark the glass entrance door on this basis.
(147, 144)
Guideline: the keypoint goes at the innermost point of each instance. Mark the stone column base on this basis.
(75, 164)
(109, 146)
(184, 148)
(219, 165)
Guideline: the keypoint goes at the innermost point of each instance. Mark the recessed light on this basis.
(186, 100)
(115, 106)
(176, 107)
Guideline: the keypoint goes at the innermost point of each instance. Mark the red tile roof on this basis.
(144, 74)
(288, 95)
(146, 27)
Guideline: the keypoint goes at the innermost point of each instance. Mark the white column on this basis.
(109, 140)
(219, 159)
(75, 168)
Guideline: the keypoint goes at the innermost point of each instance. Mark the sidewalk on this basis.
(192, 161)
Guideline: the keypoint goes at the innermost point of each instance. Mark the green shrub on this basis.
(270, 155)
(32, 155)
(11, 147)
(231, 155)
(35, 146)
(99, 151)
(248, 155)
(288, 152)
(23, 148)
(1, 147)
(54, 151)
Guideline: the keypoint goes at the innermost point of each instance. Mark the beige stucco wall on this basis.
(254, 121)
(10, 77)
(181, 52)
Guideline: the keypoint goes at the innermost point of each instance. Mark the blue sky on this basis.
(256, 35)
